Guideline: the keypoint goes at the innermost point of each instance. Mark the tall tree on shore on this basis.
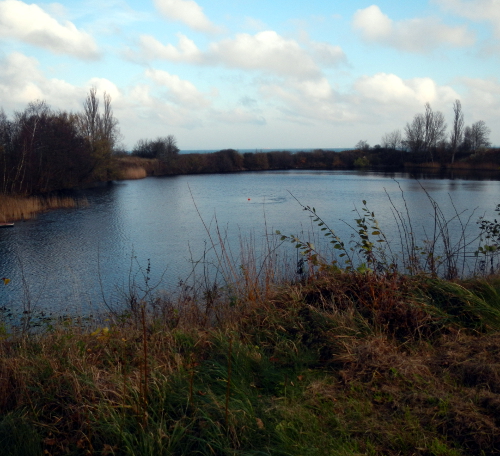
(6, 151)
(29, 147)
(457, 132)
(435, 129)
(426, 132)
(415, 134)
(100, 131)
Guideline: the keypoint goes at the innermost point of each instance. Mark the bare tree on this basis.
(90, 119)
(5, 150)
(477, 136)
(162, 148)
(415, 134)
(362, 145)
(426, 132)
(171, 149)
(435, 129)
(30, 148)
(100, 131)
(457, 132)
(392, 140)
(109, 124)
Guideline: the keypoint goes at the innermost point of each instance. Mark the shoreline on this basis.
(127, 167)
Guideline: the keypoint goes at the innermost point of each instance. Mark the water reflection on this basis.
(74, 259)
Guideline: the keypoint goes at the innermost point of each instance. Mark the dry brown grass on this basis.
(320, 356)
(130, 167)
(132, 173)
(22, 208)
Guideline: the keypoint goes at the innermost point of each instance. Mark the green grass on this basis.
(345, 364)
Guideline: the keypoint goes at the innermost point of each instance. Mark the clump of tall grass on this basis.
(22, 208)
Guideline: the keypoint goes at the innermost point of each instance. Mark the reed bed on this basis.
(23, 208)
(130, 167)
(132, 172)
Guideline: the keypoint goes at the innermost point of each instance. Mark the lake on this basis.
(74, 260)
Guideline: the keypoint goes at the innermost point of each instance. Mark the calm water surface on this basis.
(71, 260)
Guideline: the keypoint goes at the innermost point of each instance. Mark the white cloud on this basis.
(105, 85)
(309, 102)
(149, 112)
(412, 35)
(152, 49)
(22, 82)
(390, 89)
(265, 51)
(187, 12)
(482, 100)
(180, 92)
(476, 10)
(32, 25)
(17, 86)
(328, 54)
(237, 116)
(374, 103)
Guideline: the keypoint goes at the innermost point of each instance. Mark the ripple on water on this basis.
(73, 260)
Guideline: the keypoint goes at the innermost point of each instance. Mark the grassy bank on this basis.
(345, 363)
(14, 208)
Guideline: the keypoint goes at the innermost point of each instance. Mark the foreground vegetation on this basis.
(346, 363)
(355, 355)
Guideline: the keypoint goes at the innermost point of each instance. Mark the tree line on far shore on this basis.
(42, 150)
(427, 134)
(424, 142)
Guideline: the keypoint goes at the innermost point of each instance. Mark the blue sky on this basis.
(256, 74)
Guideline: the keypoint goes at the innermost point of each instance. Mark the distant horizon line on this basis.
(309, 149)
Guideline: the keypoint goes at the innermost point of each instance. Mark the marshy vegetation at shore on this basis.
(14, 208)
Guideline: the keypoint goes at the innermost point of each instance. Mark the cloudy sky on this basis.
(256, 74)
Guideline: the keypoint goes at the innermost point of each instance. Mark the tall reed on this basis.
(23, 208)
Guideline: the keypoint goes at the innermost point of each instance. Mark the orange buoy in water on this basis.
(248, 199)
